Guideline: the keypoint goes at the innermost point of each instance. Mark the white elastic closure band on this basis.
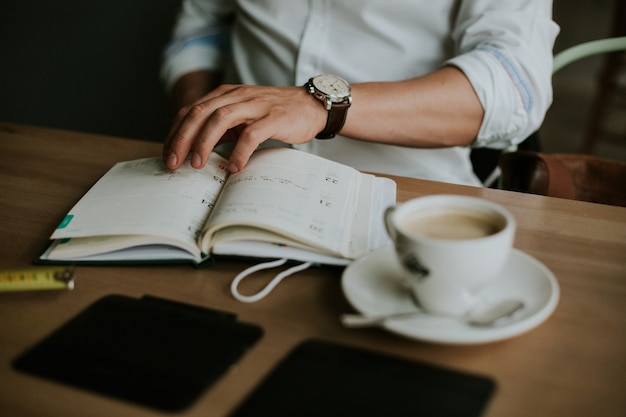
(270, 286)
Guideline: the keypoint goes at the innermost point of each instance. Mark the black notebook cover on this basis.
(150, 351)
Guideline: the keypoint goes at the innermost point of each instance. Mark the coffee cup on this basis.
(450, 248)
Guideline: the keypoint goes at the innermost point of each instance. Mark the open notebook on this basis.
(286, 204)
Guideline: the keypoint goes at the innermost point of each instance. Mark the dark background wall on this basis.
(86, 65)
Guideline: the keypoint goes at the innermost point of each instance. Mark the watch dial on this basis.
(332, 85)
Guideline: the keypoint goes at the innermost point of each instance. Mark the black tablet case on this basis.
(150, 351)
(320, 378)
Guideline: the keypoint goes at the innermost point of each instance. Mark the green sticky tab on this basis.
(66, 221)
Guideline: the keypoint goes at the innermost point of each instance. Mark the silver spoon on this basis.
(486, 316)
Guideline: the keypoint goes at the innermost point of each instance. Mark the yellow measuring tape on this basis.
(37, 279)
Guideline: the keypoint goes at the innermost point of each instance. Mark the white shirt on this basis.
(503, 47)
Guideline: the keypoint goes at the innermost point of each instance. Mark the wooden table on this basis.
(574, 364)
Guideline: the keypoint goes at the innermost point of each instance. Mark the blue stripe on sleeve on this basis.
(219, 39)
(516, 76)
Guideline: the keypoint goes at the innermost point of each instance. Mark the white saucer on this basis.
(372, 286)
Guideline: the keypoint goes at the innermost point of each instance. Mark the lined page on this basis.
(142, 197)
(291, 193)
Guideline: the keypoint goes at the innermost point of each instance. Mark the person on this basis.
(429, 80)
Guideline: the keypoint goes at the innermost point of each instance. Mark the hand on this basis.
(246, 114)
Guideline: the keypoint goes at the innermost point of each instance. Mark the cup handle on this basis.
(391, 230)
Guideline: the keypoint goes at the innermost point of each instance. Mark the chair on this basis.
(485, 160)
(611, 94)
(572, 176)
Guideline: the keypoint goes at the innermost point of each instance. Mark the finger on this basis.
(249, 140)
(201, 128)
(218, 127)
(186, 125)
(233, 121)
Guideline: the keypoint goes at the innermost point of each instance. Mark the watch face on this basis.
(333, 86)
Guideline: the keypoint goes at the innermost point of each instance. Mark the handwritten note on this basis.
(125, 201)
(306, 197)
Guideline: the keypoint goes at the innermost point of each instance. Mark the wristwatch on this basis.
(334, 93)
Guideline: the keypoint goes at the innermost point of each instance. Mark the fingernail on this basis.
(232, 168)
(196, 160)
(171, 160)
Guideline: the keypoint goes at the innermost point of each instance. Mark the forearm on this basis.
(437, 110)
(192, 86)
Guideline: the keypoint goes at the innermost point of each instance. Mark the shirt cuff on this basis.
(504, 93)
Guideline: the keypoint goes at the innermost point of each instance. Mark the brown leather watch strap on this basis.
(336, 118)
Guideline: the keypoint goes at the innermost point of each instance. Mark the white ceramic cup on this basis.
(450, 247)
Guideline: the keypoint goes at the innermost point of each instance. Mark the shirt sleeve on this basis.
(505, 50)
(200, 39)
